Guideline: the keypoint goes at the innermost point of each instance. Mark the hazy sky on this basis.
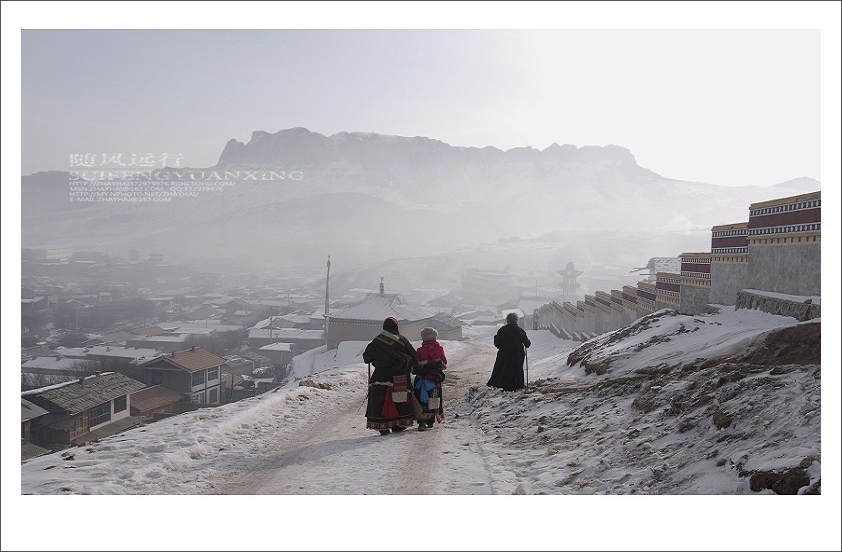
(730, 107)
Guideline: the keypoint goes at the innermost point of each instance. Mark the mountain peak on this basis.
(299, 146)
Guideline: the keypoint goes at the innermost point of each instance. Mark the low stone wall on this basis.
(801, 310)
(594, 323)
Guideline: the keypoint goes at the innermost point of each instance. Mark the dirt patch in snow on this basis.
(801, 344)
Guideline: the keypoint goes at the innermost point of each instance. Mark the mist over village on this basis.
(173, 330)
(206, 272)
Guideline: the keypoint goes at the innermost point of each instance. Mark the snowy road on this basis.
(714, 427)
(336, 454)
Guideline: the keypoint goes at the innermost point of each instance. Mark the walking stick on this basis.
(526, 357)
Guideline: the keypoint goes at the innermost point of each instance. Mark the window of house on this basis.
(213, 374)
(213, 396)
(120, 404)
(198, 378)
(100, 414)
(156, 378)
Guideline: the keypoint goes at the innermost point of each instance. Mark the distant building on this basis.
(569, 285)
(280, 353)
(631, 310)
(659, 264)
(165, 342)
(362, 322)
(646, 297)
(728, 262)
(448, 327)
(29, 412)
(194, 373)
(771, 263)
(667, 290)
(155, 402)
(695, 283)
(77, 409)
(304, 340)
(41, 372)
(784, 245)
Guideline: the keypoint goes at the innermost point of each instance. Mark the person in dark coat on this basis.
(510, 341)
(389, 393)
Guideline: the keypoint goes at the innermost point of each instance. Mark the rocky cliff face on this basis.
(295, 196)
(299, 148)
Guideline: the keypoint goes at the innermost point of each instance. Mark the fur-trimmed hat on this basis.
(391, 325)
(429, 333)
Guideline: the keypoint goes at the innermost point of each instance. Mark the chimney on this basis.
(193, 348)
(381, 286)
(173, 354)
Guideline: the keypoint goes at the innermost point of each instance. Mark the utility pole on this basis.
(327, 299)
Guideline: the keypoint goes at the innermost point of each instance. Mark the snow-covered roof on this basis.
(84, 393)
(29, 411)
(377, 307)
(285, 347)
(161, 339)
(193, 330)
(286, 333)
(51, 362)
(188, 326)
(133, 353)
(299, 318)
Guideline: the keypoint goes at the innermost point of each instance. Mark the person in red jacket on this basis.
(429, 375)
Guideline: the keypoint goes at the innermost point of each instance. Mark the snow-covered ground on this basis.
(667, 413)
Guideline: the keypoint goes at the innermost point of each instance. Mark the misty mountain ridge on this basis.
(298, 147)
(367, 197)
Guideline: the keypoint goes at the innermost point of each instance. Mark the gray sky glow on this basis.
(728, 107)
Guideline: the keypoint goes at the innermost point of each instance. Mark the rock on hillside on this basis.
(746, 408)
